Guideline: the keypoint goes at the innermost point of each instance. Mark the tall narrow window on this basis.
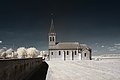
(67, 52)
(59, 53)
(75, 52)
(50, 38)
(53, 38)
(51, 53)
(85, 54)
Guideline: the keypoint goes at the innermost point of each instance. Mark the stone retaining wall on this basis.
(18, 69)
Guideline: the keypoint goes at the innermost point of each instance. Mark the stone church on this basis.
(66, 50)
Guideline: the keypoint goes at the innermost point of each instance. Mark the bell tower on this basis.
(52, 35)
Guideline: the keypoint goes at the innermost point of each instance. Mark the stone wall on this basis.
(18, 69)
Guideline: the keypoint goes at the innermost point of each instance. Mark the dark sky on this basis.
(93, 22)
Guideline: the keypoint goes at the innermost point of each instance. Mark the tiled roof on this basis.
(68, 45)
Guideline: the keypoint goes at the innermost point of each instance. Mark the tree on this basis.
(22, 53)
(2, 51)
(3, 55)
(9, 51)
(32, 52)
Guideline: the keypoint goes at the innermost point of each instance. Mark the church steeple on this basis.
(52, 34)
(52, 29)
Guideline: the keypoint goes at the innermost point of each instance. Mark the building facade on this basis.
(66, 50)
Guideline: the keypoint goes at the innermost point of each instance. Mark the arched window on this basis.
(85, 54)
(59, 53)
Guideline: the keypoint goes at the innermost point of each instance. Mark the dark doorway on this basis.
(85, 54)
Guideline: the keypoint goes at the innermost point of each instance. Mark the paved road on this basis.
(84, 70)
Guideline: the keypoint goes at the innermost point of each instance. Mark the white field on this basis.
(84, 70)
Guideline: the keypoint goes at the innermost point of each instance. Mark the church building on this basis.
(66, 50)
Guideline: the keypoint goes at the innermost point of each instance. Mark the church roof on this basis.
(67, 45)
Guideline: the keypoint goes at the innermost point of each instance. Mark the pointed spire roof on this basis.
(52, 29)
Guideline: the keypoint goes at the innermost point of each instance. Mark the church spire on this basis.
(52, 34)
(52, 29)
